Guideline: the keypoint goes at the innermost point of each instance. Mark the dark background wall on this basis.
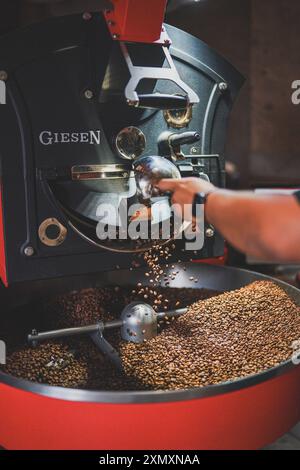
(225, 26)
(261, 38)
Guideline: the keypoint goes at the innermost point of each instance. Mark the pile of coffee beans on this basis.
(222, 338)
(49, 363)
(77, 362)
(80, 308)
(88, 306)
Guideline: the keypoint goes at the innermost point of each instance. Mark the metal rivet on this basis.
(28, 251)
(194, 150)
(209, 232)
(88, 94)
(223, 86)
(87, 16)
(3, 75)
(115, 36)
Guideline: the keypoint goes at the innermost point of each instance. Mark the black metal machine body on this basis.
(68, 137)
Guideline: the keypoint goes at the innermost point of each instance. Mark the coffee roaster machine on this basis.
(87, 97)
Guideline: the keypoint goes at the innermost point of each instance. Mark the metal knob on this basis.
(169, 143)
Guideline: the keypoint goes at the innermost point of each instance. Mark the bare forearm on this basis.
(261, 226)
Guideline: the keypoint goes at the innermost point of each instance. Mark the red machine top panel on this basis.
(136, 20)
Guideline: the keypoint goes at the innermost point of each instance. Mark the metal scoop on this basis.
(138, 322)
(148, 172)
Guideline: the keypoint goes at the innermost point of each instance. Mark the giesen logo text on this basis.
(88, 137)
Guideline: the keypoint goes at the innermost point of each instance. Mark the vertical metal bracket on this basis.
(107, 349)
(139, 73)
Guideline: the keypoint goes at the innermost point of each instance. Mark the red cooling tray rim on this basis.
(78, 395)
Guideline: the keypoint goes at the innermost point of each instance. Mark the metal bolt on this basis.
(88, 94)
(115, 36)
(209, 232)
(87, 16)
(29, 251)
(3, 75)
(223, 86)
(194, 150)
